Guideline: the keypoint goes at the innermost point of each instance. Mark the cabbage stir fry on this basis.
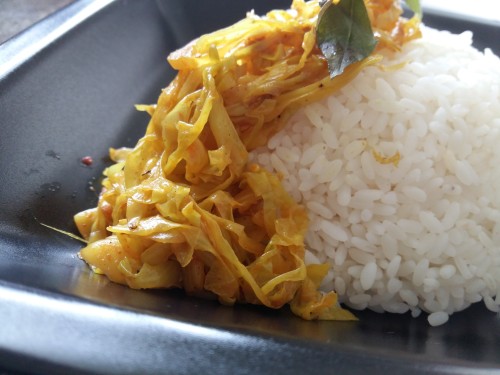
(185, 208)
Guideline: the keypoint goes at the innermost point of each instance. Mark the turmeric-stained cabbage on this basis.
(184, 208)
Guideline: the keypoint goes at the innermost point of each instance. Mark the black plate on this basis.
(67, 90)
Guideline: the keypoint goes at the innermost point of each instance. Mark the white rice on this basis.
(423, 235)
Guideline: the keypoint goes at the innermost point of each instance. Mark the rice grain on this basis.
(422, 234)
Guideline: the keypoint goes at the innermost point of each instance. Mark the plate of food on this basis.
(296, 186)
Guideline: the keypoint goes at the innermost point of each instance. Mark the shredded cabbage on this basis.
(184, 208)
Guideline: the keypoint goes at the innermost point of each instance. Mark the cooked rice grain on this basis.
(422, 233)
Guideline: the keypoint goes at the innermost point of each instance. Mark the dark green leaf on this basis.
(414, 5)
(344, 34)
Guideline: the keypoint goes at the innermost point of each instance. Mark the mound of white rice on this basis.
(421, 234)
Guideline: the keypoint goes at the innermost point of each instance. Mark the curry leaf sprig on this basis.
(415, 7)
(344, 33)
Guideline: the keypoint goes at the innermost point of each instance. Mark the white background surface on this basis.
(486, 9)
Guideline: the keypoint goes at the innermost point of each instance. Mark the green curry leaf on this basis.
(344, 34)
(414, 5)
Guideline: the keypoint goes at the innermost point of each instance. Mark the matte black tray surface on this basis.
(67, 90)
